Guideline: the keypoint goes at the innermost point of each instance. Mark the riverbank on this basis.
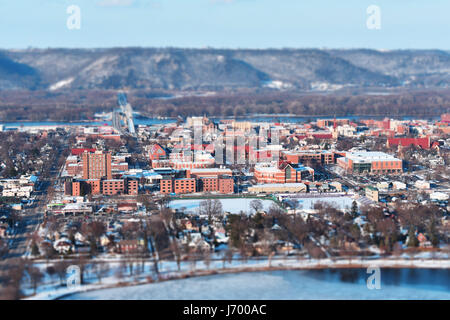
(169, 271)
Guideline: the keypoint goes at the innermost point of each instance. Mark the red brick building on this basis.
(113, 187)
(222, 184)
(160, 164)
(424, 143)
(74, 169)
(76, 189)
(82, 187)
(283, 173)
(157, 152)
(208, 184)
(132, 187)
(184, 185)
(226, 185)
(94, 186)
(269, 174)
(166, 186)
(105, 187)
(122, 166)
(370, 162)
(208, 172)
(321, 157)
(445, 117)
(97, 165)
(332, 122)
(130, 246)
(181, 185)
(79, 151)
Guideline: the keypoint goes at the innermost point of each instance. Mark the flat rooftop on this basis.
(366, 156)
(279, 185)
(210, 170)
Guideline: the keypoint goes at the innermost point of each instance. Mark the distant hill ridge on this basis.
(219, 69)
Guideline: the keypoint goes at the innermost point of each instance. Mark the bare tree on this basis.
(224, 258)
(206, 258)
(210, 208)
(388, 229)
(11, 289)
(50, 193)
(82, 263)
(176, 252)
(270, 256)
(275, 210)
(101, 270)
(93, 231)
(3, 248)
(129, 264)
(35, 277)
(256, 205)
(14, 217)
(244, 251)
(48, 252)
(121, 270)
(314, 251)
(60, 268)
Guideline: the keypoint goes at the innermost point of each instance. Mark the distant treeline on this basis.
(82, 105)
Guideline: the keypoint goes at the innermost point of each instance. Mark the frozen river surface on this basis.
(345, 284)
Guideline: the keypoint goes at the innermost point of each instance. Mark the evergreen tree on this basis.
(434, 239)
(35, 249)
(93, 246)
(354, 209)
(412, 239)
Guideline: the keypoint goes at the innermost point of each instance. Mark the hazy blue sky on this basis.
(226, 23)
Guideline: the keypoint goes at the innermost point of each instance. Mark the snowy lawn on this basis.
(233, 205)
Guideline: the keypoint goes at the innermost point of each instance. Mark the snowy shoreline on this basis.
(250, 267)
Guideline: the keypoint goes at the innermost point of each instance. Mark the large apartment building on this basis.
(97, 165)
(105, 187)
(222, 184)
(180, 185)
(200, 180)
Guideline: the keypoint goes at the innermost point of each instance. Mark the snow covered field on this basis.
(318, 284)
(233, 205)
(339, 202)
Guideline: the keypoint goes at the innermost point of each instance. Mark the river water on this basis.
(152, 121)
(340, 284)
